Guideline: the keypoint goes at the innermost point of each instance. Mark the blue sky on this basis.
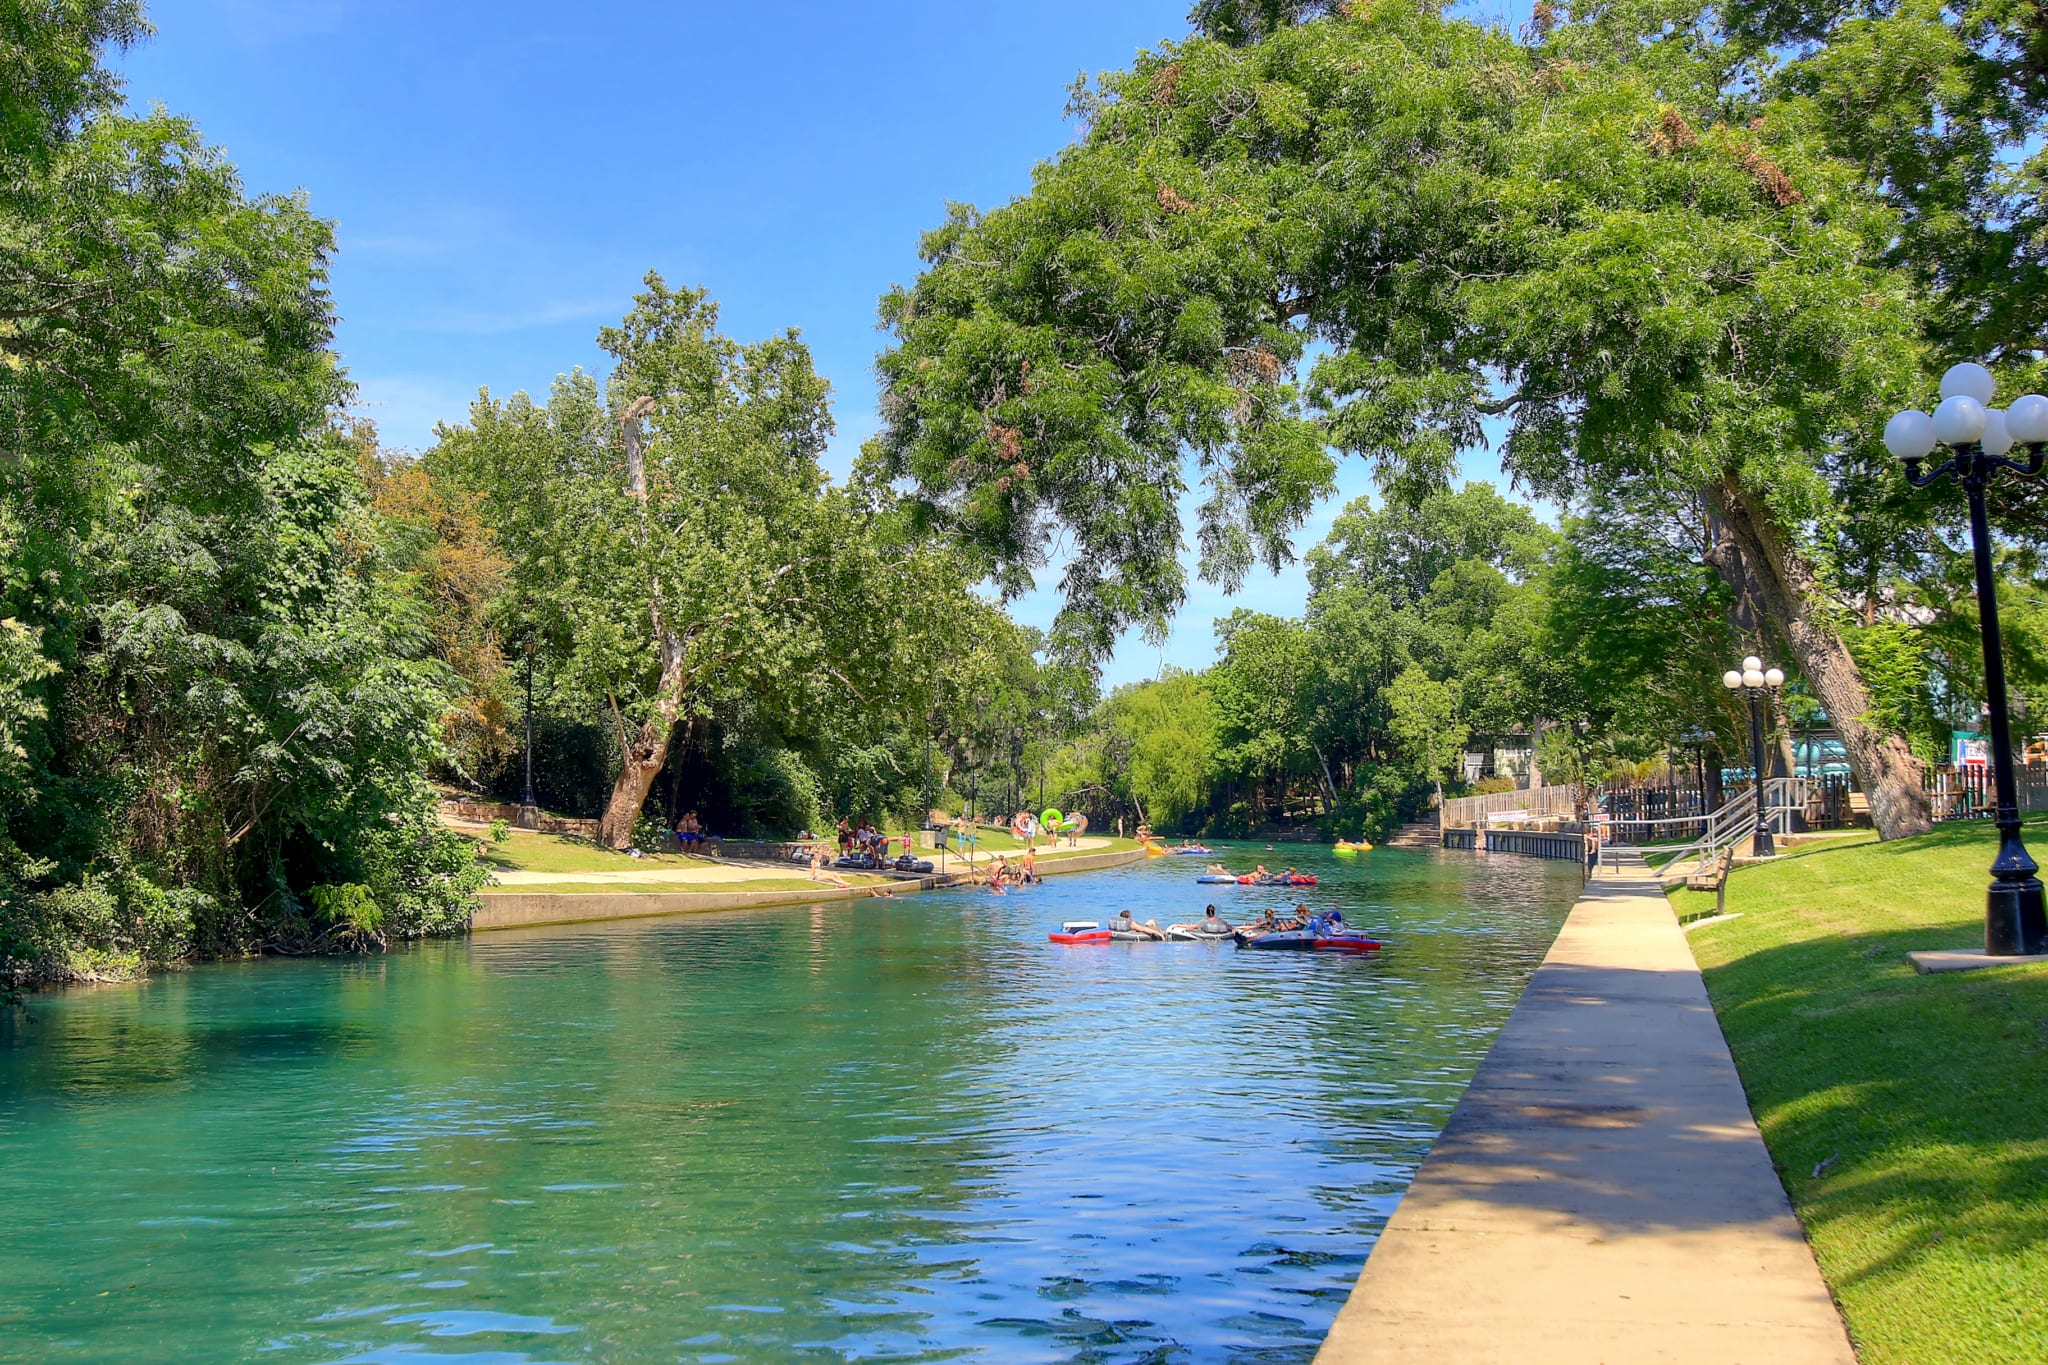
(502, 175)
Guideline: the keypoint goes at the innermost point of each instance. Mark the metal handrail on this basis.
(1727, 826)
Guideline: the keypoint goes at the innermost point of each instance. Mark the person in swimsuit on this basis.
(818, 872)
(1211, 925)
(1126, 923)
(1218, 870)
(1028, 873)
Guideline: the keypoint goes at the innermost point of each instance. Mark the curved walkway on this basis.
(1601, 1193)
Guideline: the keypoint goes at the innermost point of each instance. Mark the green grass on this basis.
(679, 888)
(527, 851)
(1907, 1114)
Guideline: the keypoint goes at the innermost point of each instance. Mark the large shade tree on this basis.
(676, 541)
(1462, 227)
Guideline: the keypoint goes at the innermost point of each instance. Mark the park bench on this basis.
(1713, 876)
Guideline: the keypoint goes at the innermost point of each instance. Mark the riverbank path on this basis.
(1601, 1193)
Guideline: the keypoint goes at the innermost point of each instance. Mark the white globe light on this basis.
(1959, 421)
(1752, 664)
(1732, 679)
(2027, 419)
(1997, 438)
(1970, 380)
(1752, 677)
(1774, 677)
(1910, 435)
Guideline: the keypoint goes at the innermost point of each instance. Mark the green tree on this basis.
(1471, 227)
(213, 705)
(1425, 724)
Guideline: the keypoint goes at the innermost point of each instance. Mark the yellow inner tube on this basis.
(1345, 846)
(1153, 850)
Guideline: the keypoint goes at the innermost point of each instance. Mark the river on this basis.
(880, 1130)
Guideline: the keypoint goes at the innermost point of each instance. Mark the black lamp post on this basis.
(1697, 740)
(526, 803)
(1757, 682)
(1978, 436)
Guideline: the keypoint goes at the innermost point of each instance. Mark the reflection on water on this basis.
(884, 1130)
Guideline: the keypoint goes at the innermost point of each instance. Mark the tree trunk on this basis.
(1329, 785)
(644, 751)
(1785, 590)
(1787, 757)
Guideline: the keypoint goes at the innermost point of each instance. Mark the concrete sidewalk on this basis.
(1601, 1195)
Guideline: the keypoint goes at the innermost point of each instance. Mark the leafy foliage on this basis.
(209, 703)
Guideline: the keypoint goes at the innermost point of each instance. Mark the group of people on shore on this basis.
(864, 838)
(1001, 874)
(690, 832)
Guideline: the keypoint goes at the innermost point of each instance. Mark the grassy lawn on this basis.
(1907, 1114)
(527, 851)
(679, 888)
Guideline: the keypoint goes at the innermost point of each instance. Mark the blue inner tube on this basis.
(1214, 880)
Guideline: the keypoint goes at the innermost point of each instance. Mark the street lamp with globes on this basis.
(1757, 682)
(1978, 436)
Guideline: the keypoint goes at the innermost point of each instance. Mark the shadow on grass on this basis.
(1907, 1114)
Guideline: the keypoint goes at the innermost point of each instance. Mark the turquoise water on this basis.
(883, 1130)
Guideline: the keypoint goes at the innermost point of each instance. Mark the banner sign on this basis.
(1965, 747)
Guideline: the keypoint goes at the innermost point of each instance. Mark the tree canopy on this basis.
(1370, 233)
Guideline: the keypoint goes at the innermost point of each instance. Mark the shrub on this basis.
(425, 878)
(106, 926)
(649, 834)
(501, 830)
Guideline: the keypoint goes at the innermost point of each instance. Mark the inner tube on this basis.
(1308, 941)
(1080, 936)
(1217, 879)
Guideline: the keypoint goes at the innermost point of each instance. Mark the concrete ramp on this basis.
(1601, 1195)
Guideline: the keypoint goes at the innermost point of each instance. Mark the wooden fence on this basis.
(1542, 803)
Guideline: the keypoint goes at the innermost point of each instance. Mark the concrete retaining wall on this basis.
(515, 910)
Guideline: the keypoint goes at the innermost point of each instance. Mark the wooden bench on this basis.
(1714, 877)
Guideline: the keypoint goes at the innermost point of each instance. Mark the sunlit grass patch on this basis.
(1907, 1114)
